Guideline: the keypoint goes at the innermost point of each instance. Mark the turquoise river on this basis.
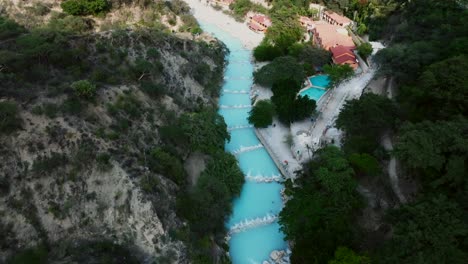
(253, 228)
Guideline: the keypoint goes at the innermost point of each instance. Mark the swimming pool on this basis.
(313, 93)
(319, 83)
(320, 80)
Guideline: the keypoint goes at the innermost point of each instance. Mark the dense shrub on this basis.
(281, 68)
(9, 28)
(154, 90)
(365, 50)
(9, 118)
(84, 89)
(167, 164)
(262, 113)
(85, 7)
(266, 52)
(338, 73)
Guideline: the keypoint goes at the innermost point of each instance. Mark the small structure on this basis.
(335, 19)
(258, 22)
(327, 36)
(344, 55)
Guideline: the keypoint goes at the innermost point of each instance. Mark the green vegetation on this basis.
(365, 50)
(279, 69)
(344, 255)
(36, 255)
(85, 7)
(426, 60)
(261, 114)
(266, 52)
(84, 89)
(369, 116)
(9, 29)
(9, 118)
(322, 208)
(167, 164)
(285, 29)
(241, 7)
(430, 231)
(210, 202)
(338, 73)
(288, 105)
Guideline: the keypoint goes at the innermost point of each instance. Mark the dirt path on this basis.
(392, 168)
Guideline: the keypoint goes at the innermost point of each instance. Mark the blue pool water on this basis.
(315, 93)
(258, 199)
(321, 80)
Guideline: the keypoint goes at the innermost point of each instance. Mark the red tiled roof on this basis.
(342, 54)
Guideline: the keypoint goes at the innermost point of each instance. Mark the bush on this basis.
(365, 50)
(85, 7)
(9, 118)
(84, 89)
(338, 73)
(261, 114)
(266, 52)
(281, 68)
(152, 89)
(167, 164)
(9, 28)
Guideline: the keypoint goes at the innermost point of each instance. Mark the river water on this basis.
(253, 228)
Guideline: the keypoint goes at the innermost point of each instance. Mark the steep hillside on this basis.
(84, 173)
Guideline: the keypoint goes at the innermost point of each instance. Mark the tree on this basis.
(365, 50)
(211, 202)
(288, 105)
(261, 114)
(205, 131)
(344, 255)
(438, 151)
(85, 7)
(266, 52)
(429, 231)
(370, 116)
(322, 208)
(9, 28)
(167, 164)
(338, 73)
(441, 92)
(84, 89)
(9, 118)
(285, 29)
(279, 69)
(314, 56)
(364, 164)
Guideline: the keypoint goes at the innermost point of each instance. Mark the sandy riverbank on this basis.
(205, 13)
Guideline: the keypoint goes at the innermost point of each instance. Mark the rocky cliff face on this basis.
(77, 169)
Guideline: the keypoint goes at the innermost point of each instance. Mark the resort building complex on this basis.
(327, 36)
(344, 55)
(335, 19)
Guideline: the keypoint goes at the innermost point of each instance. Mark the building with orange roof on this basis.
(258, 22)
(344, 55)
(326, 36)
(335, 19)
